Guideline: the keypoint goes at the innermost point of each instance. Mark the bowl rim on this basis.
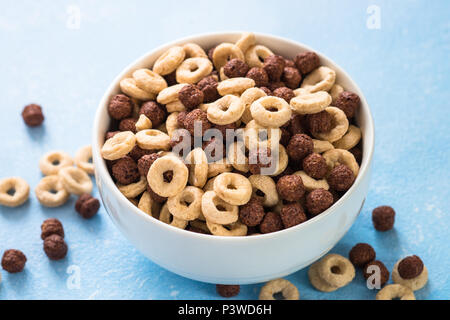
(100, 165)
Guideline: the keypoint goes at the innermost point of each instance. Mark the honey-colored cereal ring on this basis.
(224, 52)
(252, 136)
(340, 156)
(236, 156)
(172, 123)
(193, 50)
(321, 146)
(321, 79)
(53, 161)
(266, 185)
(246, 41)
(235, 86)
(50, 191)
(169, 61)
(167, 217)
(146, 204)
(350, 139)
(143, 123)
(316, 281)
(75, 180)
(261, 111)
(395, 291)
(149, 81)
(175, 106)
(336, 270)
(234, 230)
(152, 139)
(83, 159)
(218, 167)
(211, 203)
(287, 289)
(130, 88)
(198, 167)
(414, 284)
(118, 146)
(310, 103)
(179, 180)
(340, 126)
(170, 94)
(335, 91)
(19, 188)
(193, 70)
(283, 160)
(226, 110)
(247, 98)
(133, 190)
(209, 186)
(233, 188)
(311, 183)
(255, 55)
(187, 204)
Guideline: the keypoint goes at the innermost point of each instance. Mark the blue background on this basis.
(403, 69)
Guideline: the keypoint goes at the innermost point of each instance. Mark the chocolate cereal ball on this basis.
(384, 272)
(197, 116)
(125, 171)
(155, 112)
(383, 218)
(357, 153)
(266, 90)
(341, 178)
(191, 96)
(260, 158)
(348, 102)
(315, 166)
(285, 136)
(410, 267)
(319, 122)
(259, 75)
(274, 66)
(292, 77)
(271, 223)
(120, 107)
(296, 124)
(307, 62)
(227, 290)
(51, 226)
(275, 85)
(137, 152)
(317, 201)
(361, 254)
(235, 68)
(87, 206)
(32, 115)
(145, 162)
(284, 93)
(155, 197)
(290, 187)
(292, 214)
(13, 261)
(128, 124)
(251, 213)
(300, 146)
(208, 85)
(55, 247)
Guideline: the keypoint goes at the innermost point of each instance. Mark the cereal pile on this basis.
(235, 140)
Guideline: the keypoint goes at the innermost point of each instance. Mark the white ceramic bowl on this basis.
(233, 260)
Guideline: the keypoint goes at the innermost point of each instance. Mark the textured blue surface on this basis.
(403, 69)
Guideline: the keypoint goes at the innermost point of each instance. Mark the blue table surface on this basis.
(402, 67)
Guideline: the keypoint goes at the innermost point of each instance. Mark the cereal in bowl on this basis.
(233, 141)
